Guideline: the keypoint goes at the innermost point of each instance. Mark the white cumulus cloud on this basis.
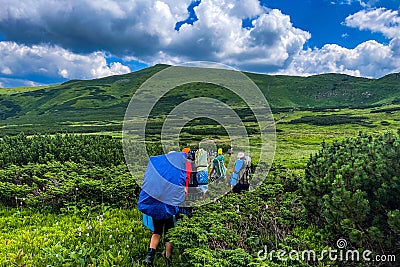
(378, 20)
(368, 59)
(218, 35)
(146, 30)
(54, 61)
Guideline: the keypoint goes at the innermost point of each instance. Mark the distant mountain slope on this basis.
(328, 90)
(106, 99)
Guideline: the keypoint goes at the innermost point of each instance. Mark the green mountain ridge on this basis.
(105, 100)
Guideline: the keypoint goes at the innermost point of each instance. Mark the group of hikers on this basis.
(173, 178)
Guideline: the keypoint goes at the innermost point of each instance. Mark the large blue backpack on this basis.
(163, 187)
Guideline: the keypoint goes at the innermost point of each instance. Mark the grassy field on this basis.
(295, 142)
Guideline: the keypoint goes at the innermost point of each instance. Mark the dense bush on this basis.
(66, 185)
(353, 188)
(333, 119)
(98, 150)
(64, 172)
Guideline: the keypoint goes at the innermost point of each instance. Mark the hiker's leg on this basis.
(154, 241)
(158, 231)
(168, 253)
(168, 246)
(168, 249)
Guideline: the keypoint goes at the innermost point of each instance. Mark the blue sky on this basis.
(44, 42)
(325, 19)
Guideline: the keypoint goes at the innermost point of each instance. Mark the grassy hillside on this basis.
(99, 105)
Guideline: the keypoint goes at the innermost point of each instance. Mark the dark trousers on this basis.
(240, 187)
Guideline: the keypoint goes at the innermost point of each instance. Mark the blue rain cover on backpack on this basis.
(235, 175)
(163, 187)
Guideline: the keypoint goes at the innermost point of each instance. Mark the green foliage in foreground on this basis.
(64, 172)
(232, 231)
(352, 187)
(112, 237)
(66, 186)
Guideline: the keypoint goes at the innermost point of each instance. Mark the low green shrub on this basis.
(65, 186)
(115, 237)
(352, 188)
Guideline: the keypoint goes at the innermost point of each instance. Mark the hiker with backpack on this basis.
(192, 184)
(240, 178)
(196, 174)
(163, 189)
(201, 162)
(190, 166)
(218, 168)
